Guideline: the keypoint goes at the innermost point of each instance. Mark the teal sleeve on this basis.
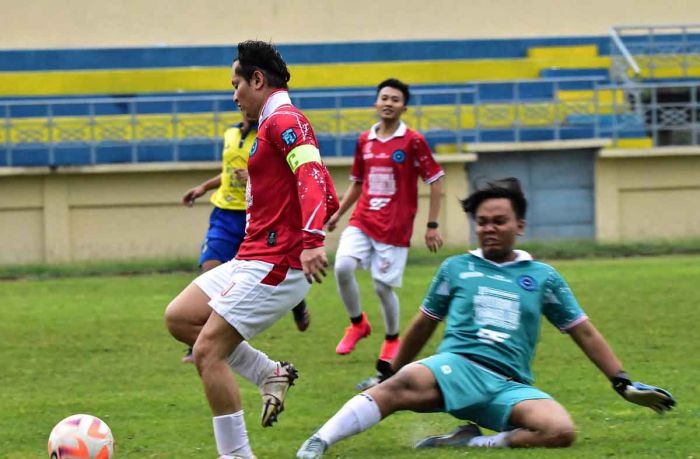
(560, 305)
(437, 300)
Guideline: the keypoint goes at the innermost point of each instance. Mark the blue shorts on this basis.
(225, 234)
(474, 393)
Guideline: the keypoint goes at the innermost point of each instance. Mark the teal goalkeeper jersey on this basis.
(493, 311)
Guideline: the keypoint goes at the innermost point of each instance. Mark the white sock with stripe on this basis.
(357, 415)
(250, 363)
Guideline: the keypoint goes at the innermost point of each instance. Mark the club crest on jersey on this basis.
(253, 148)
(289, 136)
(527, 282)
(398, 156)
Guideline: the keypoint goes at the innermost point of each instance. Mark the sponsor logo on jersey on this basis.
(289, 136)
(499, 277)
(498, 308)
(398, 156)
(253, 148)
(491, 336)
(527, 282)
(467, 274)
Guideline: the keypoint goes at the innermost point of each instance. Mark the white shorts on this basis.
(387, 261)
(252, 295)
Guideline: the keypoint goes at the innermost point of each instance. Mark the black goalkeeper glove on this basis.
(653, 397)
(384, 372)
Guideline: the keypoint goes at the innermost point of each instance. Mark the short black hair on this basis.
(259, 55)
(508, 188)
(396, 84)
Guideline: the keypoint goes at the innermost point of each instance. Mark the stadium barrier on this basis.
(60, 132)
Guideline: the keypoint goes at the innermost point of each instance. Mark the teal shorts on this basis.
(474, 393)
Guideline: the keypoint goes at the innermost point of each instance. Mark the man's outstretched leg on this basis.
(544, 423)
(272, 378)
(413, 388)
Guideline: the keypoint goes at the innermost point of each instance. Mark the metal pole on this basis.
(654, 116)
(175, 120)
(217, 120)
(477, 121)
(557, 122)
(8, 137)
(458, 113)
(338, 130)
(694, 114)
(93, 140)
(50, 125)
(624, 51)
(517, 106)
(134, 121)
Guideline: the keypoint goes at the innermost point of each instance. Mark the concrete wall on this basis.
(134, 211)
(648, 194)
(96, 23)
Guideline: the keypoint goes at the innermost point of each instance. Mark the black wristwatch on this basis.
(433, 225)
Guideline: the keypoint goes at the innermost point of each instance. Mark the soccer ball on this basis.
(81, 436)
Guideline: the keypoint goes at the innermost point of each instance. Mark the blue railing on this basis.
(655, 51)
(189, 128)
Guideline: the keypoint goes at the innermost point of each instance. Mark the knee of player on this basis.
(561, 436)
(345, 268)
(204, 356)
(171, 316)
(380, 287)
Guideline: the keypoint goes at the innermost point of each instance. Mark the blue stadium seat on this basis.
(199, 151)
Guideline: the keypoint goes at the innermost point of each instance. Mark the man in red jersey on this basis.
(389, 159)
(289, 198)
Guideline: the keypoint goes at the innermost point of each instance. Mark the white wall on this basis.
(105, 23)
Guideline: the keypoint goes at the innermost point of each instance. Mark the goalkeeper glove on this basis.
(656, 398)
(384, 372)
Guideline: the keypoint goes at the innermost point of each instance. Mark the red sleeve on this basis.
(287, 131)
(428, 168)
(318, 201)
(357, 173)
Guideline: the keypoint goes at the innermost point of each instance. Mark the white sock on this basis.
(357, 415)
(252, 364)
(230, 434)
(499, 440)
(390, 306)
(347, 284)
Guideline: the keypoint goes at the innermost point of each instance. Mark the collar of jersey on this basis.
(399, 132)
(273, 102)
(520, 255)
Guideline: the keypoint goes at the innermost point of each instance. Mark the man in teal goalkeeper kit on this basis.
(492, 299)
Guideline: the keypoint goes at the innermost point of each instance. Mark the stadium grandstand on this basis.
(636, 86)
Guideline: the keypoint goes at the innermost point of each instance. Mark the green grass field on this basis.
(98, 345)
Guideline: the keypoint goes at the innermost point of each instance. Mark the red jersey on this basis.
(288, 199)
(389, 171)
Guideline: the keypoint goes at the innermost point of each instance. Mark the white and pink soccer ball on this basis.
(81, 436)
